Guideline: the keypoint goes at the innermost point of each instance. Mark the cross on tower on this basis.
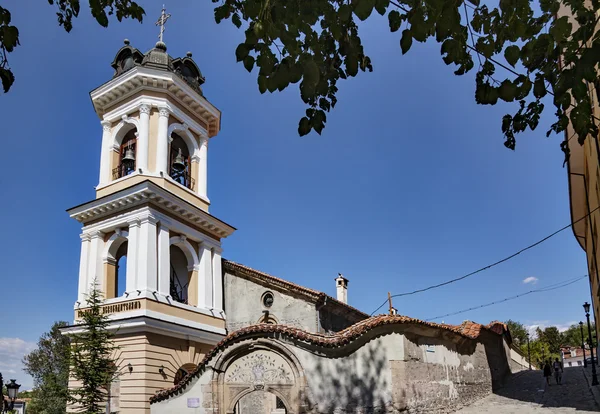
(161, 22)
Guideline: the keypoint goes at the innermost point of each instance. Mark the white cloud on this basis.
(531, 328)
(531, 279)
(12, 351)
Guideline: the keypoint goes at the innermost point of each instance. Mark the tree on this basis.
(317, 43)
(517, 332)
(553, 338)
(92, 364)
(67, 10)
(49, 367)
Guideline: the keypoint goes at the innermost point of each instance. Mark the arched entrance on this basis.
(260, 402)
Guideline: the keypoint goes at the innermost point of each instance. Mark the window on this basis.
(180, 278)
(578, 363)
(127, 156)
(267, 300)
(180, 162)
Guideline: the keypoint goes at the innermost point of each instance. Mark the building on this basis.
(584, 193)
(573, 356)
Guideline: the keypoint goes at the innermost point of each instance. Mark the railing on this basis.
(184, 178)
(122, 170)
(177, 289)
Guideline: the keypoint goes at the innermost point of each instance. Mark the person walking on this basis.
(558, 371)
(547, 372)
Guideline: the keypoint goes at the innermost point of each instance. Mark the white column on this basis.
(143, 138)
(147, 255)
(162, 143)
(203, 167)
(132, 249)
(83, 267)
(164, 261)
(217, 279)
(105, 153)
(94, 261)
(205, 282)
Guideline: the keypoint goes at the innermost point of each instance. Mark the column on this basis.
(217, 279)
(143, 138)
(162, 143)
(132, 249)
(83, 267)
(105, 153)
(147, 255)
(164, 261)
(205, 282)
(94, 268)
(202, 167)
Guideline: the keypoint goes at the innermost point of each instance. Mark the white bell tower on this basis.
(148, 238)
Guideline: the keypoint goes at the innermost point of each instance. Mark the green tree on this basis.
(66, 11)
(517, 332)
(92, 364)
(552, 337)
(515, 46)
(49, 367)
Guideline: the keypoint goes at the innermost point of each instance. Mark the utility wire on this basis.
(488, 266)
(546, 289)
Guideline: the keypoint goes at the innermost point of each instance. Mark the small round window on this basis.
(267, 299)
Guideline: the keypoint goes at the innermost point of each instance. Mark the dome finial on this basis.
(126, 41)
(161, 23)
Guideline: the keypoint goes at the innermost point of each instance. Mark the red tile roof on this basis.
(315, 295)
(467, 329)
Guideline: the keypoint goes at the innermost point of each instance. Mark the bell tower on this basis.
(148, 239)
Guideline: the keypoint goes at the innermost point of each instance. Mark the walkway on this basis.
(528, 393)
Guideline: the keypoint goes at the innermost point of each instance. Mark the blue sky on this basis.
(408, 186)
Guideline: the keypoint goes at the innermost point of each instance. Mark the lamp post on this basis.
(13, 390)
(586, 307)
(582, 344)
(528, 352)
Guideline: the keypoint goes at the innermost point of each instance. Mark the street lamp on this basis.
(528, 352)
(13, 390)
(582, 344)
(586, 307)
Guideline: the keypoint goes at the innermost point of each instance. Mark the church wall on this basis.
(244, 307)
(332, 322)
(152, 144)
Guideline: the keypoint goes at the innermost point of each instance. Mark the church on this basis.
(201, 334)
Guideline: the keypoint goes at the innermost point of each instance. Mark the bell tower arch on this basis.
(151, 211)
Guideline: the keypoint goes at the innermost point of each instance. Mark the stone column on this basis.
(94, 262)
(83, 268)
(132, 249)
(143, 138)
(217, 274)
(162, 143)
(147, 255)
(105, 153)
(164, 261)
(203, 168)
(205, 282)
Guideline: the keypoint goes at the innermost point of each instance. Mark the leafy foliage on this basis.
(49, 367)
(316, 43)
(518, 332)
(92, 363)
(67, 9)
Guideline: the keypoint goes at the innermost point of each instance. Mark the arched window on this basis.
(180, 167)
(121, 271)
(127, 156)
(182, 372)
(180, 278)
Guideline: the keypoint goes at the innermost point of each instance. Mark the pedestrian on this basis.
(558, 370)
(547, 372)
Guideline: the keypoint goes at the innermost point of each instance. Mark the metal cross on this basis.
(161, 22)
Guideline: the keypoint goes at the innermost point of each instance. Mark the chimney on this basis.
(341, 285)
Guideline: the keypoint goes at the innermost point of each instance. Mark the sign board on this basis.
(193, 402)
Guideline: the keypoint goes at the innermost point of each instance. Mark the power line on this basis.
(488, 266)
(546, 289)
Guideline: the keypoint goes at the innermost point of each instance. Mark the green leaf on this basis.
(9, 35)
(241, 52)
(352, 65)
(539, 88)
(474, 2)
(451, 49)
(406, 40)
(304, 126)
(7, 78)
(262, 83)
(381, 6)
(579, 90)
(311, 72)
(507, 91)
(344, 12)
(395, 20)
(511, 54)
(249, 63)
(235, 19)
(561, 29)
(363, 8)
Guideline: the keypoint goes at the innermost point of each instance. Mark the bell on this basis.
(178, 163)
(129, 156)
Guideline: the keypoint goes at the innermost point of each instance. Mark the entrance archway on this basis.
(260, 402)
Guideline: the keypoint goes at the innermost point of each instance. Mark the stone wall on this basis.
(244, 306)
